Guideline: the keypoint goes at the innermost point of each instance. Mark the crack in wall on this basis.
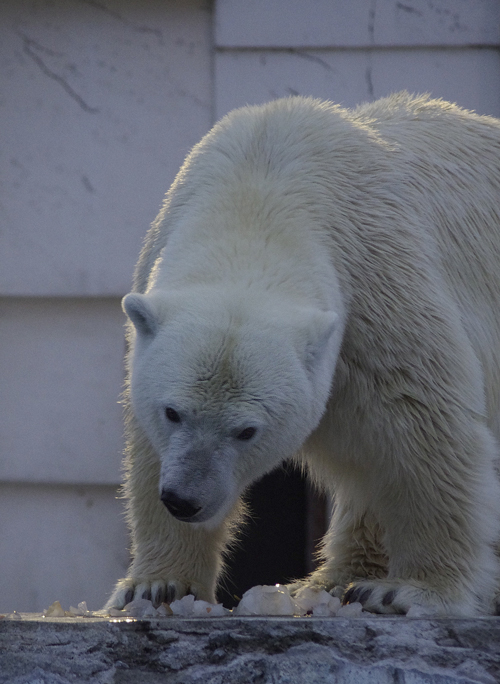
(371, 21)
(103, 8)
(312, 58)
(371, 36)
(408, 9)
(28, 45)
(139, 29)
(369, 81)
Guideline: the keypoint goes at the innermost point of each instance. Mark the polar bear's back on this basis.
(452, 163)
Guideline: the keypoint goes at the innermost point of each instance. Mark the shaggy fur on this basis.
(329, 279)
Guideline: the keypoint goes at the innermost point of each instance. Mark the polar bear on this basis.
(323, 285)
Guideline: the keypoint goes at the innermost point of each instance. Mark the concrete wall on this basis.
(357, 51)
(99, 103)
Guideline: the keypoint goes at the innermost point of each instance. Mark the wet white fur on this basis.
(331, 278)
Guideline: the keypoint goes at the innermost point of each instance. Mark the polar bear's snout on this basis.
(196, 486)
(182, 509)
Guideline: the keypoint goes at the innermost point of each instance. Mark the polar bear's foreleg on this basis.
(439, 514)
(174, 563)
(351, 549)
(170, 558)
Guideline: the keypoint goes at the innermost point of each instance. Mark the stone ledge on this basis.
(378, 650)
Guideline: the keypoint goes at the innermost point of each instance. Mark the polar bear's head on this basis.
(225, 394)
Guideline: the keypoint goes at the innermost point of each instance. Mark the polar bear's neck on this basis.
(263, 206)
(248, 240)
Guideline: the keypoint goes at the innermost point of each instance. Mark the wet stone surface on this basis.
(242, 650)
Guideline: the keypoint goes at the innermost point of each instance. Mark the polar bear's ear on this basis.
(140, 309)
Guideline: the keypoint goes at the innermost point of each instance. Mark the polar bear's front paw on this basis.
(396, 596)
(156, 590)
(332, 588)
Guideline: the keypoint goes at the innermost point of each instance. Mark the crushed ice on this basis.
(55, 610)
(81, 611)
(259, 600)
(269, 600)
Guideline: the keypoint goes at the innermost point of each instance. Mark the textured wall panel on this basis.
(100, 103)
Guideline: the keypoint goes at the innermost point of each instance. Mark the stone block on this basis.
(100, 104)
(357, 23)
(371, 650)
(61, 370)
(66, 543)
(349, 77)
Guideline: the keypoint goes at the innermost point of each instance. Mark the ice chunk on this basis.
(267, 600)
(150, 611)
(54, 610)
(201, 608)
(82, 610)
(189, 607)
(115, 612)
(183, 607)
(316, 601)
(205, 609)
(164, 610)
(218, 610)
(140, 608)
(350, 610)
(327, 609)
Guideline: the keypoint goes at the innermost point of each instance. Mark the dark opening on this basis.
(278, 541)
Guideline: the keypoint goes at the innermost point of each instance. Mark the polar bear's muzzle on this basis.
(182, 509)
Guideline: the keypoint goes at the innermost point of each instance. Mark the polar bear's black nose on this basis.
(182, 509)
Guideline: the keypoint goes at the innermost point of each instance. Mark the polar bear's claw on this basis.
(398, 596)
(128, 597)
(357, 594)
(157, 591)
(379, 596)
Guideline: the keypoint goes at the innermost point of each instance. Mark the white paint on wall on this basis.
(100, 103)
(350, 77)
(61, 361)
(100, 100)
(356, 23)
(65, 543)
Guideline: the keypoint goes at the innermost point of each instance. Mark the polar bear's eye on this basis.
(172, 415)
(246, 434)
